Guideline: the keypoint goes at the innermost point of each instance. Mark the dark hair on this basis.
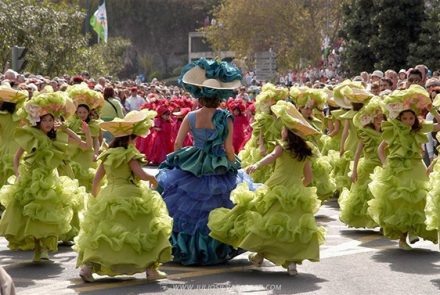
(239, 111)
(87, 108)
(298, 146)
(122, 141)
(8, 106)
(416, 72)
(109, 92)
(357, 106)
(416, 126)
(388, 81)
(210, 102)
(52, 134)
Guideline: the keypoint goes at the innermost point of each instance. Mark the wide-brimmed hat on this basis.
(342, 99)
(135, 122)
(58, 104)
(308, 97)
(415, 98)
(209, 78)
(367, 114)
(197, 77)
(8, 94)
(82, 94)
(292, 119)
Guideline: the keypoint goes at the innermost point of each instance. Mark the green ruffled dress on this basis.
(8, 146)
(126, 228)
(354, 202)
(39, 204)
(270, 127)
(81, 161)
(321, 166)
(432, 209)
(333, 143)
(399, 189)
(277, 220)
(341, 165)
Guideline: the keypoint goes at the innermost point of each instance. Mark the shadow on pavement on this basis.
(28, 272)
(436, 283)
(417, 261)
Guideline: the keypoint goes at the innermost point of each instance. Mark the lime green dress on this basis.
(341, 166)
(39, 204)
(270, 128)
(81, 161)
(333, 143)
(277, 220)
(353, 202)
(126, 228)
(8, 146)
(399, 189)
(432, 209)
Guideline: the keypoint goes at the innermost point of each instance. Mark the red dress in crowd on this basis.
(241, 132)
(161, 141)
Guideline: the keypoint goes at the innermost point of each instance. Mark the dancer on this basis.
(277, 221)
(11, 101)
(195, 180)
(353, 201)
(126, 227)
(399, 188)
(266, 131)
(83, 161)
(39, 203)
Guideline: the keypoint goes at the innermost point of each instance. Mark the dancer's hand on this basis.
(153, 183)
(354, 176)
(251, 169)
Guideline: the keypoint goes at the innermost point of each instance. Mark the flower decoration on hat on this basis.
(351, 89)
(306, 97)
(367, 114)
(58, 104)
(210, 78)
(134, 123)
(269, 95)
(292, 119)
(82, 94)
(415, 98)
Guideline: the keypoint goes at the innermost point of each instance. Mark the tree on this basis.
(52, 33)
(399, 24)
(358, 30)
(292, 29)
(425, 50)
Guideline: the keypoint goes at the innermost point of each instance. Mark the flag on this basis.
(98, 21)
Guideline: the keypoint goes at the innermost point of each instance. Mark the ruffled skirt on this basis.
(399, 197)
(39, 206)
(125, 230)
(277, 222)
(432, 208)
(190, 199)
(354, 202)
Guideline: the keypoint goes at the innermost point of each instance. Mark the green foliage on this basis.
(52, 33)
(399, 24)
(425, 50)
(379, 34)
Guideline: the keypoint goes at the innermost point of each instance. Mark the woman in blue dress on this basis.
(195, 180)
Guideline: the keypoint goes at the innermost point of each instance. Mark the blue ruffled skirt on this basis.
(190, 199)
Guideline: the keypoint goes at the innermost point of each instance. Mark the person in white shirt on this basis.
(134, 101)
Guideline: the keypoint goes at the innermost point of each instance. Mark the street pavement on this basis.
(352, 262)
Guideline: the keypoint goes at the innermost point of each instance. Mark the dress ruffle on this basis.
(126, 228)
(354, 202)
(432, 209)
(277, 222)
(399, 197)
(39, 204)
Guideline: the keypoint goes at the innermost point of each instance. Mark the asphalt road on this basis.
(352, 262)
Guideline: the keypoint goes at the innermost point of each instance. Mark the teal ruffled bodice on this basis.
(207, 156)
